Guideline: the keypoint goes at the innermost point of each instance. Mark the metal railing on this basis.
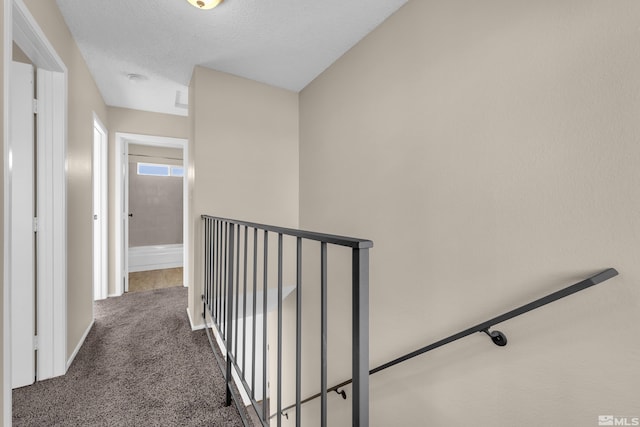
(229, 292)
(497, 337)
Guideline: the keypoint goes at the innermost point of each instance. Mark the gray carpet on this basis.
(141, 365)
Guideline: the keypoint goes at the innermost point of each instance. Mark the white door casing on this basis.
(125, 217)
(7, 29)
(100, 219)
(22, 244)
(51, 237)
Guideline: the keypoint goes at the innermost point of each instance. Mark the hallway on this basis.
(140, 365)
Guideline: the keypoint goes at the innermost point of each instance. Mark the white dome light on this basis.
(205, 4)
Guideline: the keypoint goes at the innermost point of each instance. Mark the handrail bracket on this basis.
(497, 337)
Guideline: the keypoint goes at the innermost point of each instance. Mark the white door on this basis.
(21, 141)
(99, 209)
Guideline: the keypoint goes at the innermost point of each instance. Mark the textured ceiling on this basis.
(284, 43)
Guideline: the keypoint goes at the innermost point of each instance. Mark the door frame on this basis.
(100, 186)
(21, 27)
(121, 250)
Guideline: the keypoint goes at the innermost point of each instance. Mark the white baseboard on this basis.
(196, 327)
(77, 349)
(155, 257)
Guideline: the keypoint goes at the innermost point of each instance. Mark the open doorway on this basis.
(156, 217)
(151, 233)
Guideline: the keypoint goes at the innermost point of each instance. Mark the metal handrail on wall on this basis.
(497, 337)
(226, 244)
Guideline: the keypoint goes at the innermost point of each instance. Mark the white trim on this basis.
(79, 346)
(32, 40)
(6, 294)
(121, 250)
(104, 212)
(118, 229)
(52, 307)
(186, 217)
(59, 232)
(155, 257)
(51, 270)
(196, 327)
(45, 196)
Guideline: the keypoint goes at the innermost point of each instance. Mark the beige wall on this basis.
(18, 55)
(491, 152)
(137, 122)
(243, 155)
(145, 123)
(83, 100)
(164, 155)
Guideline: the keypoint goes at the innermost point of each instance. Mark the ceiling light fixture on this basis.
(205, 4)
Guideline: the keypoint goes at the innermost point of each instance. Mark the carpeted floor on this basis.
(141, 365)
(155, 279)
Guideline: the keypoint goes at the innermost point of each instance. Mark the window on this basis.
(155, 170)
(160, 170)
